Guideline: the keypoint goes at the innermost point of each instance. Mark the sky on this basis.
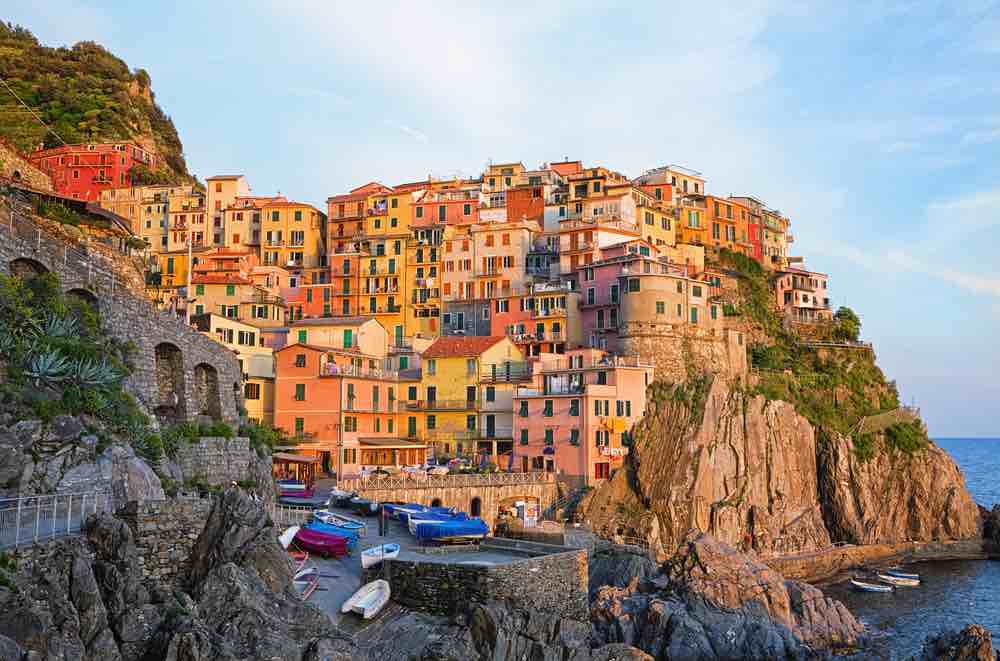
(874, 125)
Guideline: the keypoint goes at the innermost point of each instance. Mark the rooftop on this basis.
(453, 347)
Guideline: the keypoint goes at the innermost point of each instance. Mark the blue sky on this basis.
(875, 126)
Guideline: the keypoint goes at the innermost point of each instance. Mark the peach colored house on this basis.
(340, 406)
(576, 418)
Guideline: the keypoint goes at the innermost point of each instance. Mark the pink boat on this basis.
(323, 544)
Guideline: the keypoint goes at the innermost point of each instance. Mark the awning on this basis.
(294, 458)
(390, 444)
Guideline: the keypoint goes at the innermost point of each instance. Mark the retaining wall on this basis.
(165, 533)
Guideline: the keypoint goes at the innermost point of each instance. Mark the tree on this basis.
(846, 325)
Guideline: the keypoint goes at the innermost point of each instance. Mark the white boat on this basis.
(863, 586)
(285, 538)
(368, 600)
(898, 580)
(376, 554)
(305, 582)
(898, 572)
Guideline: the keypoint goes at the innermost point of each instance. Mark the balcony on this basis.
(505, 373)
(332, 369)
(274, 242)
(439, 405)
(490, 272)
(548, 313)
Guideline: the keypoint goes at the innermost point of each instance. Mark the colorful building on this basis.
(83, 171)
(802, 295)
(221, 192)
(575, 418)
(294, 237)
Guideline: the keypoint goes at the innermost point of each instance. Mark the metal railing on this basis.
(33, 519)
(285, 515)
(405, 481)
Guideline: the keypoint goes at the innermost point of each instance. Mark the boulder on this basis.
(991, 526)
(131, 477)
(715, 603)
(239, 531)
(973, 643)
(611, 565)
(62, 430)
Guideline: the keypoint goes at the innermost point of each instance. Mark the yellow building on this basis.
(446, 410)
(221, 191)
(293, 236)
(256, 361)
(422, 295)
(692, 224)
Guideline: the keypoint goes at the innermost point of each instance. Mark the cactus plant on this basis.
(89, 373)
(48, 367)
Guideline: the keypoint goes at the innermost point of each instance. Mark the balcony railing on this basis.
(440, 404)
(544, 313)
(332, 369)
(504, 373)
(488, 272)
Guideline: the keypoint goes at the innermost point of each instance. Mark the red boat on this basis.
(323, 544)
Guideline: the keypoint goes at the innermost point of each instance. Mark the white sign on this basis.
(613, 452)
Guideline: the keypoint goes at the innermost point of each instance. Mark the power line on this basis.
(40, 120)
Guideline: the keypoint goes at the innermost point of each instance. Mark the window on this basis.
(660, 307)
(590, 295)
(614, 293)
(574, 407)
(696, 291)
(694, 315)
(548, 437)
(715, 312)
(680, 287)
(302, 336)
(491, 394)
(602, 378)
(470, 367)
(300, 360)
(298, 215)
(251, 391)
(300, 392)
(524, 437)
(470, 422)
(350, 423)
(619, 408)
(466, 209)
(300, 426)
(348, 338)
(574, 437)
(274, 215)
(548, 410)
(431, 422)
(633, 284)
(523, 408)
(432, 366)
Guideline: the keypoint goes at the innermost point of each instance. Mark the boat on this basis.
(321, 543)
(291, 485)
(301, 501)
(364, 506)
(898, 572)
(305, 582)
(286, 539)
(339, 498)
(330, 529)
(326, 516)
(403, 512)
(376, 554)
(863, 586)
(422, 517)
(368, 600)
(898, 580)
(452, 530)
(296, 492)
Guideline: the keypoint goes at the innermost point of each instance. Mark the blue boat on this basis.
(403, 512)
(334, 519)
(327, 529)
(301, 501)
(421, 517)
(452, 530)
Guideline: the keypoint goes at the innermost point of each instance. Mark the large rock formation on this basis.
(715, 603)
(893, 496)
(88, 601)
(973, 643)
(713, 458)
(754, 473)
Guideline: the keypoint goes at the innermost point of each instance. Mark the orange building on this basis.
(341, 406)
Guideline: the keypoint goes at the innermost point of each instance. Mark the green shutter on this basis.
(302, 336)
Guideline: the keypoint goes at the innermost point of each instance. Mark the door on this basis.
(470, 393)
(491, 426)
(411, 427)
(399, 336)
(432, 393)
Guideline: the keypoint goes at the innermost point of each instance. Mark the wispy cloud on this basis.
(408, 130)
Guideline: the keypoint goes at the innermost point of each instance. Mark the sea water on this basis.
(951, 594)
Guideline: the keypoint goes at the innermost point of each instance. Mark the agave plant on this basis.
(90, 373)
(55, 326)
(48, 367)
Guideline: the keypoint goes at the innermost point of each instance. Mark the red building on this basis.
(525, 203)
(83, 171)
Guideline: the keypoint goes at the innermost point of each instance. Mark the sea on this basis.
(951, 594)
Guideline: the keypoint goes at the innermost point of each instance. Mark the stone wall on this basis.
(130, 317)
(14, 165)
(555, 582)
(216, 460)
(672, 349)
(165, 532)
(490, 496)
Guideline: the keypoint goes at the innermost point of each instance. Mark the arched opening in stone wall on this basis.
(476, 507)
(436, 502)
(85, 297)
(170, 401)
(25, 267)
(17, 175)
(206, 391)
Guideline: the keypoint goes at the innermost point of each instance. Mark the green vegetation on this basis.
(58, 361)
(263, 438)
(84, 93)
(833, 390)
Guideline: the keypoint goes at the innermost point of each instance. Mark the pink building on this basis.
(576, 417)
(803, 295)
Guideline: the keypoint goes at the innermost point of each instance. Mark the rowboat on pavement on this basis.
(376, 554)
(346, 522)
(368, 600)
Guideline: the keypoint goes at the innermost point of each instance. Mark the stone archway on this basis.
(206, 392)
(171, 404)
(436, 502)
(25, 267)
(85, 297)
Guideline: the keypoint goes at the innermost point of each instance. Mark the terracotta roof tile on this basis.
(450, 347)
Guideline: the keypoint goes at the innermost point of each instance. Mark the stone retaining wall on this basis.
(554, 583)
(216, 460)
(15, 166)
(672, 349)
(165, 533)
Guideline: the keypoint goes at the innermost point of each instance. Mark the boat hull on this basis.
(899, 581)
(376, 554)
(861, 586)
(368, 600)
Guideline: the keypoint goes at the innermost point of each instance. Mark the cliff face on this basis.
(755, 474)
(893, 496)
(717, 460)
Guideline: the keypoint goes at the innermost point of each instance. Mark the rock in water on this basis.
(973, 643)
(715, 603)
(929, 499)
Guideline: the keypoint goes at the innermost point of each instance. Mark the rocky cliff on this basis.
(87, 600)
(753, 472)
